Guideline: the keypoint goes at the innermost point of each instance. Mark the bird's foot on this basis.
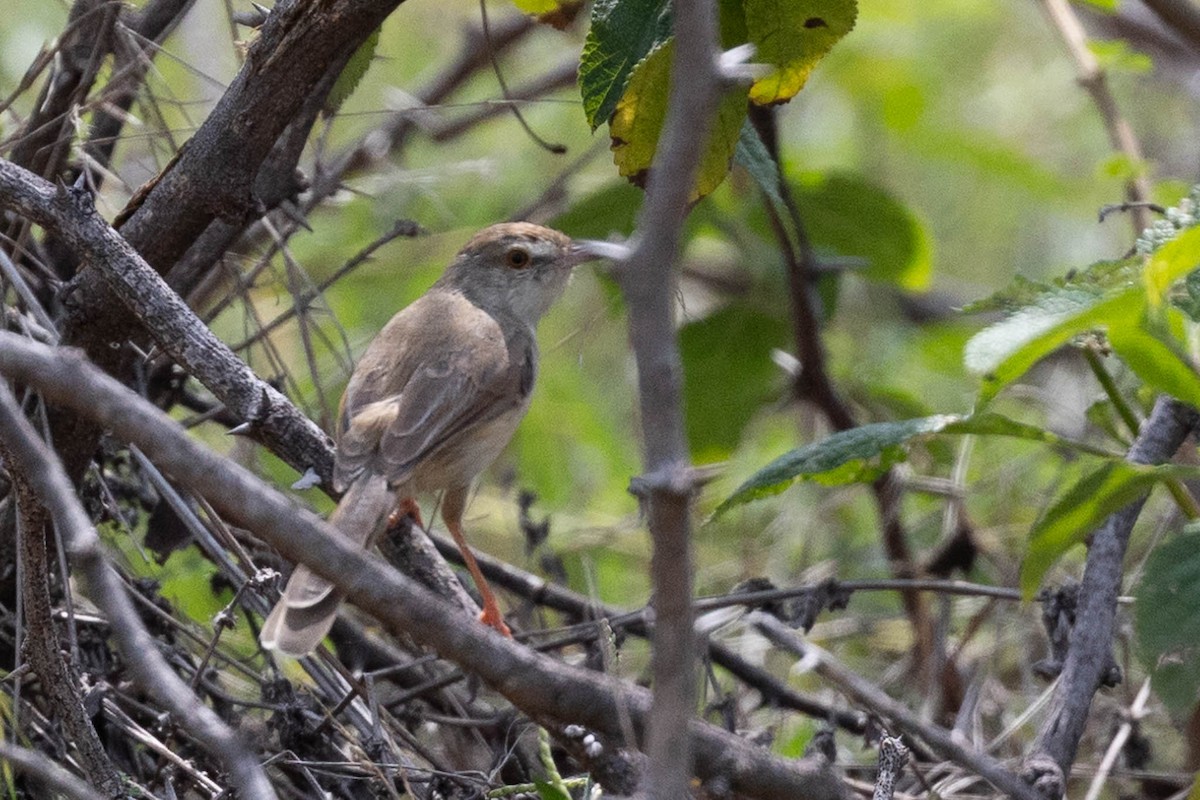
(407, 507)
(491, 617)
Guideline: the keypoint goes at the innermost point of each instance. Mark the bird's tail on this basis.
(309, 605)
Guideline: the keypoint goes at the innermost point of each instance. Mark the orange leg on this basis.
(452, 512)
(407, 507)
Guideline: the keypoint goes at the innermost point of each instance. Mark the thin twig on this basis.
(866, 693)
(139, 649)
(46, 771)
(1090, 653)
(1093, 78)
(540, 686)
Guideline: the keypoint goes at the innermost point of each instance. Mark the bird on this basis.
(435, 398)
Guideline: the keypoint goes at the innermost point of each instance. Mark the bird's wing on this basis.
(407, 402)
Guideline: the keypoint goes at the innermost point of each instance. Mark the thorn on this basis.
(735, 67)
(240, 430)
(613, 251)
(290, 211)
(308, 480)
(80, 181)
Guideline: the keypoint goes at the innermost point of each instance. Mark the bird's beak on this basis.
(584, 250)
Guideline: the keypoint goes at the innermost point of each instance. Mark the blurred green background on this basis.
(944, 147)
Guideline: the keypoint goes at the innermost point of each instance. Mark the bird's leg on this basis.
(407, 507)
(452, 512)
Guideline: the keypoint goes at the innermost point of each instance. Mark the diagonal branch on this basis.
(70, 214)
(1090, 653)
(536, 684)
(140, 650)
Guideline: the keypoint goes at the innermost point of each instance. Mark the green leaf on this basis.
(352, 75)
(793, 37)
(611, 209)
(548, 791)
(1005, 351)
(639, 116)
(728, 375)
(1189, 300)
(1156, 363)
(622, 33)
(863, 453)
(853, 217)
(1115, 55)
(754, 157)
(1171, 262)
(1167, 621)
(1096, 280)
(858, 454)
(1083, 507)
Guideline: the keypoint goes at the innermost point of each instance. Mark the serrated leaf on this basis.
(863, 453)
(1096, 279)
(857, 454)
(1167, 621)
(352, 75)
(638, 121)
(793, 37)
(622, 33)
(1083, 507)
(1171, 262)
(1005, 351)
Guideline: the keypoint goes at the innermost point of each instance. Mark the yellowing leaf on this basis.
(638, 121)
(793, 36)
(536, 6)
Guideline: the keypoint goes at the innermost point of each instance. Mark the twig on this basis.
(41, 647)
(540, 686)
(1136, 711)
(1182, 18)
(814, 385)
(70, 213)
(864, 692)
(647, 281)
(1090, 653)
(139, 649)
(1092, 77)
(47, 772)
(893, 755)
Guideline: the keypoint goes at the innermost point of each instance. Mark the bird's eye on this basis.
(517, 258)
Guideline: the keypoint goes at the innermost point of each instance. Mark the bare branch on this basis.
(142, 657)
(43, 769)
(1090, 653)
(538, 685)
(60, 682)
(70, 214)
(1092, 77)
(862, 691)
(648, 282)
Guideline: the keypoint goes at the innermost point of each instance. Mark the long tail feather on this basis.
(309, 605)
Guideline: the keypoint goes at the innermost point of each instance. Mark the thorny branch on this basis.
(1090, 650)
(148, 667)
(539, 686)
(647, 280)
